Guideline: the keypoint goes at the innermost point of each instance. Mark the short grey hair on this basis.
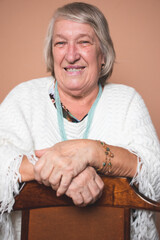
(83, 13)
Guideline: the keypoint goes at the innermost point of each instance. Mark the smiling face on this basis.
(77, 57)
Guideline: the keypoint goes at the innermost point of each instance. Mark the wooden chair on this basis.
(117, 193)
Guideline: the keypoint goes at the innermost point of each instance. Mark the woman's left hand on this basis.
(58, 165)
(86, 188)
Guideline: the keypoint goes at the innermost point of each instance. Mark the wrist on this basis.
(105, 162)
(26, 170)
(101, 156)
(106, 165)
(94, 153)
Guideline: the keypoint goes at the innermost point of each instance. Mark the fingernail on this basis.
(57, 194)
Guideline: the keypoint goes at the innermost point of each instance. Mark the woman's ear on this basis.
(103, 61)
(102, 66)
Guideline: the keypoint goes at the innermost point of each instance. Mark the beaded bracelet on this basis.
(107, 165)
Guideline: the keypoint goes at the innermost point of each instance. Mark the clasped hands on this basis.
(67, 168)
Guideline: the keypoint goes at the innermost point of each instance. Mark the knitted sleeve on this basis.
(15, 141)
(144, 142)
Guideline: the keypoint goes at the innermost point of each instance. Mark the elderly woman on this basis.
(65, 129)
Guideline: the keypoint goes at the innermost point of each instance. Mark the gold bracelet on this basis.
(107, 165)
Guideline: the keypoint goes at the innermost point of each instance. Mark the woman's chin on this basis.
(75, 88)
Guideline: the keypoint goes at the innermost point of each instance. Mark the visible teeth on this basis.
(73, 69)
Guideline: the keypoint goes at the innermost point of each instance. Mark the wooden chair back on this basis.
(118, 193)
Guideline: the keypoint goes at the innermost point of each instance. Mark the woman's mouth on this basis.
(74, 69)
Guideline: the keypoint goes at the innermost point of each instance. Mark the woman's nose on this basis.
(72, 54)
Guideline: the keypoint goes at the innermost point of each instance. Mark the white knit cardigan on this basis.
(28, 122)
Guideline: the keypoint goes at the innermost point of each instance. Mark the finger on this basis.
(100, 185)
(46, 183)
(96, 186)
(99, 182)
(39, 153)
(46, 172)
(87, 196)
(77, 199)
(55, 179)
(95, 191)
(55, 186)
(64, 184)
(37, 169)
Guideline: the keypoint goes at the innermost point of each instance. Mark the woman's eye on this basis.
(85, 42)
(60, 44)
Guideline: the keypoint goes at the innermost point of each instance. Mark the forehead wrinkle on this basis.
(80, 35)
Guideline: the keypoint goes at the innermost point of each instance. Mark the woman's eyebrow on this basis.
(85, 35)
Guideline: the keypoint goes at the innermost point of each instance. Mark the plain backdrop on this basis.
(134, 27)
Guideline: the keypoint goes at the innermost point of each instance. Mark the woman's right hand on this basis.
(86, 188)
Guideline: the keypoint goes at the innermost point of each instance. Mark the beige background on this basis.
(134, 26)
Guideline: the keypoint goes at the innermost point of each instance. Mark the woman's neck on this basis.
(78, 106)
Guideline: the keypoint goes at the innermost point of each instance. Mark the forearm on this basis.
(124, 162)
(26, 170)
(115, 161)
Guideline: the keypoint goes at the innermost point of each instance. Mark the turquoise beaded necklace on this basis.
(60, 114)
